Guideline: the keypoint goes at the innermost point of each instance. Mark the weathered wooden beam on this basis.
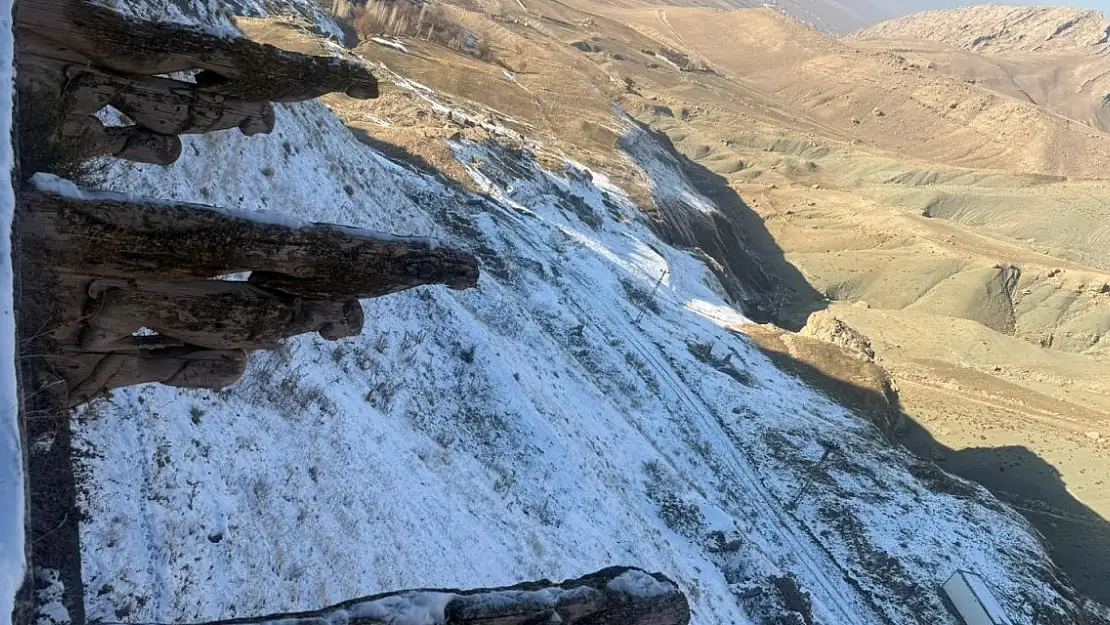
(58, 110)
(94, 374)
(614, 596)
(89, 137)
(85, 33)
(152, 240)
(213, 314)
(164, 105)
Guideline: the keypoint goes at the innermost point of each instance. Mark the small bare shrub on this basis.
(639, 296)
(704, 353)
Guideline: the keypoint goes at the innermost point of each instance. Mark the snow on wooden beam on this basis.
(613, 596)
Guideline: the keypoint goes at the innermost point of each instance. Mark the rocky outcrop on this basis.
(825, 326)
(838, 360)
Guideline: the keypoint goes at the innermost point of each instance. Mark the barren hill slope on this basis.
(1053, 57)
(835, 17)
(878, 97)
(1001, 29)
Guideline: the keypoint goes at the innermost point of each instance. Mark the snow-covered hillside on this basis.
(562, 417)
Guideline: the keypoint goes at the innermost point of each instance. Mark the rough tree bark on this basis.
(82, 32)
(187, 367)
(175, 242)
(110, 267)
(76, 57)
(166, 106)
(213, 314)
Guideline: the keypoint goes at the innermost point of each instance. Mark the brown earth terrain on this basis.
(1001, 29)
(940, 198)
(1053, 57)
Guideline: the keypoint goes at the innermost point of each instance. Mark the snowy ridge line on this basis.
(607, 596)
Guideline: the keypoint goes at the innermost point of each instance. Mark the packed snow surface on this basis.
(639, 584)
(11, 463)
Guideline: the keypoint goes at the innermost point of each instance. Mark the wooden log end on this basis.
(461, 271)
(145, 146)
(185, 367)
(262, 124)
(349, 324)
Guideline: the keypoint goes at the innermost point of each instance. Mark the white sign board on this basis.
(973, 600)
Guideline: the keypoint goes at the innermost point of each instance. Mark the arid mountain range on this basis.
(839, 17)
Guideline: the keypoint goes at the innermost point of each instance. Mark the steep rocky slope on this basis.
(916, 238)
(517, 417)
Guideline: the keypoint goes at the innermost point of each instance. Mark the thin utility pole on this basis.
(643, 306)
(793, 505)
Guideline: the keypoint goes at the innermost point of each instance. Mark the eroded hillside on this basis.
(835, 17)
